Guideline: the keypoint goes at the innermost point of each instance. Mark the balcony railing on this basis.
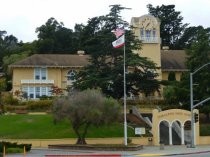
(150, 39)
(37, 81)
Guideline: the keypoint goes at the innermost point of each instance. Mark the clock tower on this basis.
(147, 29)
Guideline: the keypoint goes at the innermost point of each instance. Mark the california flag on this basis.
(119, 42)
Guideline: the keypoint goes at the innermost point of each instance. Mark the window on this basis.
(142, 32)
(153, 32)
(40, 73)
(34, 92)
(71, 75)
(44, 91)
(37, 92)
(148, 33)
(31, 92)
(43, 73)
(37, 74)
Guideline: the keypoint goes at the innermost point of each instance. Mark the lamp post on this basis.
(192, 106)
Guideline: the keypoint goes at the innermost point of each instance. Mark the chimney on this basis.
(80, 52)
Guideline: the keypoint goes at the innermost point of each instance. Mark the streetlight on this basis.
(192, 106)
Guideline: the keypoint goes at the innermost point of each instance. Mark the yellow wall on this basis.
(21, 74)
(170, 116)
(150, 50)
(45, 142)
(178, 75)
(58, 75)
(37, 143)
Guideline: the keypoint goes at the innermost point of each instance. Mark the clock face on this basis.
(148, 23)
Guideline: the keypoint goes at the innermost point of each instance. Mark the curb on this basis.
(86, 155)
(200, 152)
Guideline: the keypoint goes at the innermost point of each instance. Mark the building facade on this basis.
(35, 75)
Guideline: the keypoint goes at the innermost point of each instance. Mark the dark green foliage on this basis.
(106, 68)
(171, 27)
(198, 55)
(53, 37)
(14, 145)
(177, 92)
(189, 37)
(171, 76)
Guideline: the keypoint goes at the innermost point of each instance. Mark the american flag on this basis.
(118, 32)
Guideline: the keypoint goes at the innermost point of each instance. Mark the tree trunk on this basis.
(81, 141)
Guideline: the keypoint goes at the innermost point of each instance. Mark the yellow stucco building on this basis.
(36, 74)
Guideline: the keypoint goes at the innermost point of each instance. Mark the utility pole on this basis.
(192, 106)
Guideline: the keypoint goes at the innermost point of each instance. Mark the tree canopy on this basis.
(84, 109)
(53, 37)
(198, 54)
(106, 68)
(171, 27)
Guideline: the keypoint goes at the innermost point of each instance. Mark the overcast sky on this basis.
(21, 17)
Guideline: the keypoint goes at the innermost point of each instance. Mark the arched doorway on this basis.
(187, 132)
(176, 133)
(164, 132)
(173, 127)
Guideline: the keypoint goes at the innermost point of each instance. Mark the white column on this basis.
(182, 134)
(170, 134)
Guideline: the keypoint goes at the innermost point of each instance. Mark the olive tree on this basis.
(86, 108)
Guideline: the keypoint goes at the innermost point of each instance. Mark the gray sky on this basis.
(22, 17)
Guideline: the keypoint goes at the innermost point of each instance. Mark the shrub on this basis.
(41, 105)
(9, 100)
(14, 146)
(14, 150)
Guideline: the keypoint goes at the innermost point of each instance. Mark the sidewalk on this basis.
(145, 152)
(171, 150)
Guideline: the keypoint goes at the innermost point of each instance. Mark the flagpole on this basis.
(120, 35)
(125, 119)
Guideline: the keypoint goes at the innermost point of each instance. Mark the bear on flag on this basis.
(119, 42)
(119, 33)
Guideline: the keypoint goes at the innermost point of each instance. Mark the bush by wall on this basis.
(9, 145)
(41, 105)
(30, 106)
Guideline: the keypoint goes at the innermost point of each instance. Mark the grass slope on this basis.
(42, 127)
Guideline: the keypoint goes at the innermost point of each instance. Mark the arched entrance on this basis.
(164, 132)
(187, 132)
(173, 127)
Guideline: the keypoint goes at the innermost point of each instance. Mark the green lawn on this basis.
(42, 127)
